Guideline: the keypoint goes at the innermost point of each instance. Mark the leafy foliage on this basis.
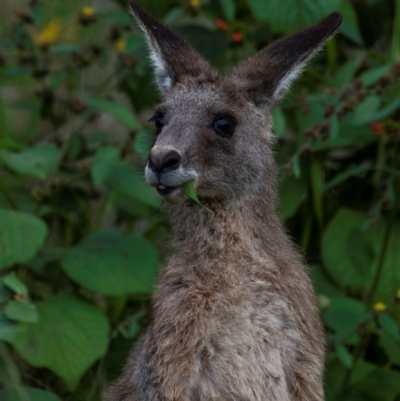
(82, 236)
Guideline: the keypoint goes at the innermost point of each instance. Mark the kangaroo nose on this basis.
(164, 162)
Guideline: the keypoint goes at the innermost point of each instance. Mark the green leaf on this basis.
(191, 193)
(38, 161)
(322, 283)
(111, 263)
(21, 236)
(279, 122)
(103, 163)
(69, 337)
(372, 75)
(142, 143)
(391, 347)
(123, 115)
(21, 311)
(134, 325)
(344, 356)
(335, 245)
(344, 315)
(339, 254)
(296, 167)
(34, 394)
(287, 16)
(129, 181)
(228, 6)
(292, 192)
(389, 326)
(14, 283)
(364, 110)
(345, 73)
(346, 174)
(8, 329)
(359, 252)
(379, 385)
(349, 25)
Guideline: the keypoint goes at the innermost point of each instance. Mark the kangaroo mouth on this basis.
(164, 191)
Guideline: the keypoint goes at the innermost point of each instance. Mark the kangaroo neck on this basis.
(230, 227)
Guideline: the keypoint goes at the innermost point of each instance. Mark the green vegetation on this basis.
(82, 237)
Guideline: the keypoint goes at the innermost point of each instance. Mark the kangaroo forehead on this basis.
(203, 97)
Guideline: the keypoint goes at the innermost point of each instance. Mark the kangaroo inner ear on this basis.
(173, 58)
(268, 74)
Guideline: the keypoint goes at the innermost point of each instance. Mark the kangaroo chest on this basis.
(224, 340)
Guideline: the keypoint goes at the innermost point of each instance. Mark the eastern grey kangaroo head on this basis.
(214, 128)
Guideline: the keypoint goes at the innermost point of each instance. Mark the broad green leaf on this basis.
(356, 136)
(228, 6)
(338, 244)
(292, 192)
(279, 122)
(134, 326)
(111, 263)
(103, 163)
(351, 171)
(387, 110)
(33, 394)
(364, 111)
(389, 326)
(349, 25)
(344, 356)
(8, 329)
(129, 181)
(345, 73)
(344, 315)
(359, 252)
(15, 284)
(142, 143)
(296, 167)
(21, 236)
(38, 161)
(5, 293)
(68, 338)
(391, 347)
(21, 311)
(191, 193)
(123, 115)
(371, 76)
(335, 373)
(382, 384)
(287, 16)
(322, 283)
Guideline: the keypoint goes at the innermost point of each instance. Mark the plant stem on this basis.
(381, 261)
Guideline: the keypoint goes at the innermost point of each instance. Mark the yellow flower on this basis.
(120, 44)
(49, 34)
(194, 3)
(398, 294)
(379, 307)
(87, 11)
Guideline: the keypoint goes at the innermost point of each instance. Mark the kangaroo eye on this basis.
(224, 125)
(158, 120)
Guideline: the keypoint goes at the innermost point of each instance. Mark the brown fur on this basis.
(234, 313)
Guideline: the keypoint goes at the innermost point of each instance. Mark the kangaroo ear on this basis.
(173, 58)
(267, 75)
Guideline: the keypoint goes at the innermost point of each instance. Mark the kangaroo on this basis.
(234, 313)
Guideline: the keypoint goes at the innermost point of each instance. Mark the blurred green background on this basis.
(82, 237)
